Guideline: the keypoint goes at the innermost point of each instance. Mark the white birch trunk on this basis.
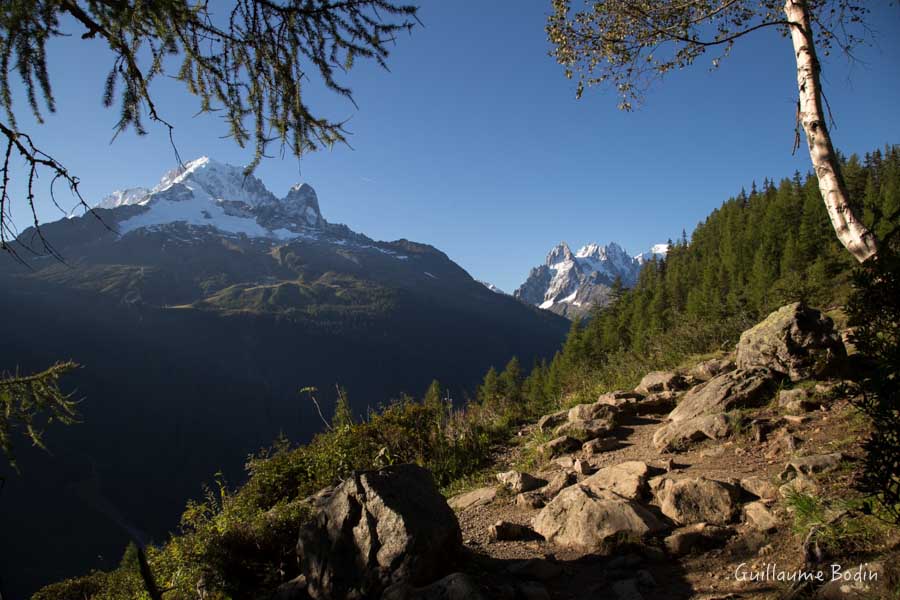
(850, 230)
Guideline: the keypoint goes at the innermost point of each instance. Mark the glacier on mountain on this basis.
(570, 283)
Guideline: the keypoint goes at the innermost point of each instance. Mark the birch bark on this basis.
(851, 232)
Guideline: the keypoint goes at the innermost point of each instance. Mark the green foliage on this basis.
(242, 543)
(630, 44)
(874, 311)
(27, 402)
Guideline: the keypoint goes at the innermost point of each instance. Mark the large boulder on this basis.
(795, 340)
(586, 430)
(594, 411)
(375, 529)
(677, 436)
(628, 479)
(661, 381)
(699, 500)
(743, 388)
(593, 520)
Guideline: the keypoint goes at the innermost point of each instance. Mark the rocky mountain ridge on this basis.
(569, 284)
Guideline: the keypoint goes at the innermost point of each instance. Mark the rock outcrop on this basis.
(743, 388)
(375, 529)
(699, 500)
(795, 340)
(581, 518)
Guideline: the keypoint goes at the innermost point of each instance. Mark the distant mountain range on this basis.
(570, 284)
(198, 308)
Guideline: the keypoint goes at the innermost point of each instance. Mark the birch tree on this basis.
(631, 44)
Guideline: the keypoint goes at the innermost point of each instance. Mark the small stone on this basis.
(503, 531)
(698, 537)
(558, 446)
(759, 487)
(530, 500)
(479, 497)
(760, 517)
(518, 482)
(598, 446)
(583, 467)
(801, 484)
(807, 465)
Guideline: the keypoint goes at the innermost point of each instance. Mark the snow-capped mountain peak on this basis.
(570, 284)
(124, 197)
(656, 251)
(560, 254)
(209, 194)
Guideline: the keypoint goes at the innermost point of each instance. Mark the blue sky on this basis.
(474, 141)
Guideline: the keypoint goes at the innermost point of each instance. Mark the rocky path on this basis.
(680, 489)
(701, 553)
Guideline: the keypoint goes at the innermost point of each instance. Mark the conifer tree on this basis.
(28, 402)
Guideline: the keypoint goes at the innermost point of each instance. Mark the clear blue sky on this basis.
(475, 143)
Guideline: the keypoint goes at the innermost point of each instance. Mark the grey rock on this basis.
(677, 436)
(583, 467)
(622, 400)
(759, 487)
(551, 421)
(807, 465)
(504, 531)
(760, 517)
(580, 518)
(699, 500)
(557, 483)
(598, 446)
(478, 497)
(696, 538)
(564, 444)
(801, 484)
(657, 404)
(798, 401)
(795, 340)
(743, 388)
(518, 482)
(708, 369)
(531, 500)
(586, 430)
(594, 411)
(628, 479)
(661, 381)
(378, 528)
